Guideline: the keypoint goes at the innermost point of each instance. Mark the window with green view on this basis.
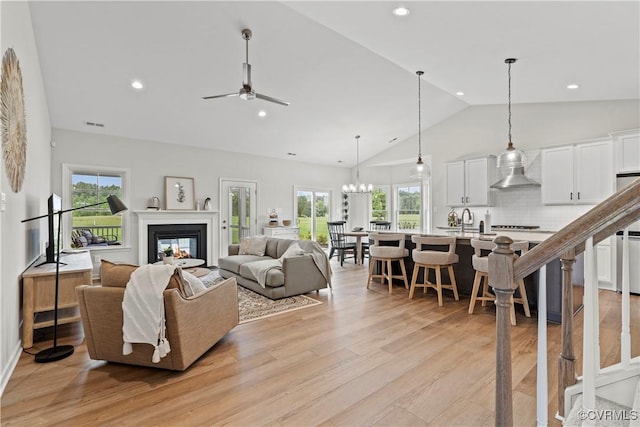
(90, 188)
(409, 207)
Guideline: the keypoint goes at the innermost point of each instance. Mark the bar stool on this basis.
(481, 266)
(386, 248)
(434, 260)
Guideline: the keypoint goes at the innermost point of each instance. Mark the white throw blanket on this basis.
(143, 309)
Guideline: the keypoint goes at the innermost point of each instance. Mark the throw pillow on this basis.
(114, 274)
(192, 285)
(294, 249)
(254, 245)
(117, 274)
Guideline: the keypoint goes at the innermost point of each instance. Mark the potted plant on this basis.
(168, 255)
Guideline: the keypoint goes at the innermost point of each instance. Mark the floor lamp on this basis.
(60, 352)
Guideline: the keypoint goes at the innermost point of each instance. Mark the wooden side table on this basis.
(38, 293)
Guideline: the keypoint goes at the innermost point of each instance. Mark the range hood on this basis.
(515, 179)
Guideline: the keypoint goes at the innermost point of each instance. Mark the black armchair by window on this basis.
(339, 242)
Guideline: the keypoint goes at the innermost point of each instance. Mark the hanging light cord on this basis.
(357, 159)
(509, 73)
(419, 73)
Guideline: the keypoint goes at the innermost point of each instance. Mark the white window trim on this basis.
(296, 188)
(389, 197)
(68, 169)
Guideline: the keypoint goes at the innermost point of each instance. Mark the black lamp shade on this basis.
(115, 204)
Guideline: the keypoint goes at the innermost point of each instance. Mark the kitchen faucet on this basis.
(462, 219)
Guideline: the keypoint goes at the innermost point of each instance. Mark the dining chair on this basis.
(339, 242)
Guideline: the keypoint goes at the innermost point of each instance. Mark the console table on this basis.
(38, 293)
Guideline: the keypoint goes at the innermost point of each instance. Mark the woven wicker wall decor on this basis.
(12, 118)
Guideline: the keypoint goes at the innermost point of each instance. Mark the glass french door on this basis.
(238, 214)
(312, 209)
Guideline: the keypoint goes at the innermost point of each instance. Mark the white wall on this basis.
(482, 130)
(22, 243)
(151, 161)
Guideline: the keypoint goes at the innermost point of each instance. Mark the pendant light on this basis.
(420, 170)
(357, 188)
(512, 161)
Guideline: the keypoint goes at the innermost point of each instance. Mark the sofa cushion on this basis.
(254, 245)
(117, 274)
(275, 277)
(232, 263)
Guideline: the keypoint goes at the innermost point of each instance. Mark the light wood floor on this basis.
(364, 357)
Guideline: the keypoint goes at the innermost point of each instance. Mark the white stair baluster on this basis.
(625, 335)
(590, 331)
(542, 397)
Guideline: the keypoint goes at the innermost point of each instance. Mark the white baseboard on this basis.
(11, 366)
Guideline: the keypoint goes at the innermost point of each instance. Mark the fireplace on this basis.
(186, 240)
(150, 218)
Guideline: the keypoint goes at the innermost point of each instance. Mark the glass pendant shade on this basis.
(511, 158)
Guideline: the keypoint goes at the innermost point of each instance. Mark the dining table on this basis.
(358, 235)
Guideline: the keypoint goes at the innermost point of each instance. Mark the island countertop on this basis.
(532, 236)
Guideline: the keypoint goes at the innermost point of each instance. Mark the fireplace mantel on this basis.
(154, 217)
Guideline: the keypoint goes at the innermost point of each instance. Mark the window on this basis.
(380, 204)
(312, 214)
(88, 185)
(409, 206)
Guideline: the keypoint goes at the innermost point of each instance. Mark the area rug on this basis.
(254, 306)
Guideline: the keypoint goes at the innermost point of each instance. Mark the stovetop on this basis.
(514, 227)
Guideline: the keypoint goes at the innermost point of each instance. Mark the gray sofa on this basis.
(299, 274)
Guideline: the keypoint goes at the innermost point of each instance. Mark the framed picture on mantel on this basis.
(179, 193)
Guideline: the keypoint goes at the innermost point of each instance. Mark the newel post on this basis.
(501, 280)
(567, 359)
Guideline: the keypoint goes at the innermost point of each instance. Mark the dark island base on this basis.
(465, 274)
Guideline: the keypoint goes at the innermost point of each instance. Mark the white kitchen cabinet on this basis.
(469, 181)
(606, 263)
(292, 233)
(627, 150)
(577, 174)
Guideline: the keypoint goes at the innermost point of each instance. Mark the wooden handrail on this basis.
(615, 213)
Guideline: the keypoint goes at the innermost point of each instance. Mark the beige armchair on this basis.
(194, 324)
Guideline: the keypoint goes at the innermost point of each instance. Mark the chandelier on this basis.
(357, 188)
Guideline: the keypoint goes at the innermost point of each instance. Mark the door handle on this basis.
(571, 196)
(578, 195)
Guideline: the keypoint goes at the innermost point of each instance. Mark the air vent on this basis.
(94, 124)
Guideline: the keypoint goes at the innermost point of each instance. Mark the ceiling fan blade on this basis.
(271, 99)
(221, 96)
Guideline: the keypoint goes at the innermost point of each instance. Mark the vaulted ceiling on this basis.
(346, 67)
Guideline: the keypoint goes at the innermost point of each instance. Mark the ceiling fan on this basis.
(246, 92)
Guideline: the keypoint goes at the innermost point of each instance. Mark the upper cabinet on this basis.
(469, 181)
(627, 148)
(577, 174)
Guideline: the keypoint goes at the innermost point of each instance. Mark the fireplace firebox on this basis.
(186, 240)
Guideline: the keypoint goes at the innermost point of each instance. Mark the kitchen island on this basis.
(465, 273)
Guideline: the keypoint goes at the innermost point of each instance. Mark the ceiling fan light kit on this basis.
(246, 92)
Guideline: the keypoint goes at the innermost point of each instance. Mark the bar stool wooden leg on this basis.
(372, 265)
(474, 293)
(486, 295)
(439, 286)
(452, 276)
(523, 298)
(390, 275)
(404, 273)
(414, 278)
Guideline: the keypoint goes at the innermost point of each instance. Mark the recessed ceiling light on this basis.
(573, 86)
(460, 93)
(262, 113)
(137, 84)
(400, 11)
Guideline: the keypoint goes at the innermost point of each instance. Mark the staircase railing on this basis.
(615, 213)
